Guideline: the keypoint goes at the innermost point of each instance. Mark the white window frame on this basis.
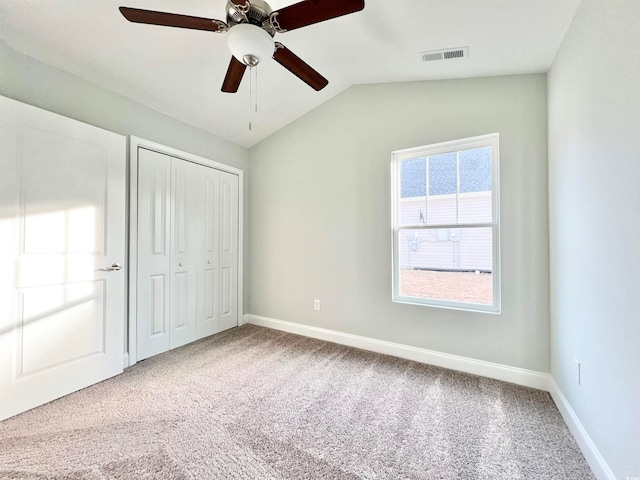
(490, 140)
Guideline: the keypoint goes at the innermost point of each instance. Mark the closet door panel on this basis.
(228, 305)
(186, 238)
(208, 268)
(154, 253)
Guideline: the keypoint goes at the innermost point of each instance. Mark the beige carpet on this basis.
(258, 403)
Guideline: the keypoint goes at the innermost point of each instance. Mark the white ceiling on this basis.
(179, 72)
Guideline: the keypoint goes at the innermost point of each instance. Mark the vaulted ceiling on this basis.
(179, 72)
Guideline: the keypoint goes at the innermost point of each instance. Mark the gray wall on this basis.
(27, 80)
(320, 215)
(594, 174)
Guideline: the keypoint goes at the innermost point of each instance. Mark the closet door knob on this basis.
(209, 261)
(113, 268)
(181, 264)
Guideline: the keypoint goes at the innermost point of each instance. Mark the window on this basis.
(445, 224)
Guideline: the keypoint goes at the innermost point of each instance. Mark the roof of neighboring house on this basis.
(475, 173)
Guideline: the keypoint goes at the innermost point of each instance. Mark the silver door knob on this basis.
(209, 261)
(113, 267)
(181, 264)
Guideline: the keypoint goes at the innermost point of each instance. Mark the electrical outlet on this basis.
(316, 304)
(577, 372)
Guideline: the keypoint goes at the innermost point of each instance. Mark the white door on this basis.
(62, 227)
(208, 270)
(154, 253)
(186, 239)
(228, 307)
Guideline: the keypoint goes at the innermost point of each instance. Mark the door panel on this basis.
(210, 296)
(62, 200)
(208, 283)
(45, 323)
(186, 238)
(181, 312)
(68, 204)
(229, 250)
(158, 314)
(225, 307)
(154, 182)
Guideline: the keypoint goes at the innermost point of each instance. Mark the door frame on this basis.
(134, 144)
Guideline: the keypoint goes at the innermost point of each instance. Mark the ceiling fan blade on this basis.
(172, 20)
(299, 68)
(233, 77)
(309, 12)
(241, 5)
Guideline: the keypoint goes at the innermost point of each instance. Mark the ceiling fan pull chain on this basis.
(250, 93)
(256, 110)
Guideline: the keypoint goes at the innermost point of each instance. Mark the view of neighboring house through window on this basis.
(445, 224)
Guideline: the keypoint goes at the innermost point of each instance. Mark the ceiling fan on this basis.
(251, 26)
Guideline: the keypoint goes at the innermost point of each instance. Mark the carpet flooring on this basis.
(255, 403)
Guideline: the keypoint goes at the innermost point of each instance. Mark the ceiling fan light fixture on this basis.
(250, 44)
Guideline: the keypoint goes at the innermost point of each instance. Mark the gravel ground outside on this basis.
(454, 286)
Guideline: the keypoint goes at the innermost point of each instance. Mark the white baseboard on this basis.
(519, 376)
(591, 453)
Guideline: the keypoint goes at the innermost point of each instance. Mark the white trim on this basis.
(591, 453)
(134, 144)
(125, 361)
(519, 376)
(132, 250)
(445, 147)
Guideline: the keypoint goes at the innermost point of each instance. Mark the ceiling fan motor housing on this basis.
(258, 15)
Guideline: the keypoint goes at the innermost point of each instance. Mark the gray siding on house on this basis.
(472, 208)
(437, 249)
(472, 249)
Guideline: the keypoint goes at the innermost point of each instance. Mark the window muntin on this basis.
(445, 224)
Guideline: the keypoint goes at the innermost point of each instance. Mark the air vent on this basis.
(446, 54)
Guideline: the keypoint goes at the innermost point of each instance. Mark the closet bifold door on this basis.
(187, 252)
(186, 240)
(228, 307)
(154, 253)
(208, 270)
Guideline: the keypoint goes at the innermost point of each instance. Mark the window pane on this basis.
(441, 203)
(447, 264)
(474, 201)
(413, 190)
(442, 174)
(475, 170)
